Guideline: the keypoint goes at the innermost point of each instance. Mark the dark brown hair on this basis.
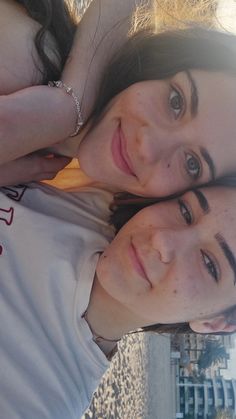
(126, 205)
(150, 56)
(178, 328)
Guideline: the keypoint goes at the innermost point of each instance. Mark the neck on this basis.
(108, 318)
(70, 146)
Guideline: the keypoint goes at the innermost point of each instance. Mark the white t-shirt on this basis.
(49, 246)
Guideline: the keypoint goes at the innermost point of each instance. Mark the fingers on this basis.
(31, 168)
(45, 167)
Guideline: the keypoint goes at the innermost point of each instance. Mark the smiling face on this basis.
(174, 261)
(163, 136)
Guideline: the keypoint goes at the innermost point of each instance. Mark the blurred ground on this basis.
(137, 386)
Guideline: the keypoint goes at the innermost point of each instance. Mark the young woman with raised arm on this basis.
(33, 119)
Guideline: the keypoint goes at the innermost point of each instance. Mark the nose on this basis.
(165, 243)
(148, 144)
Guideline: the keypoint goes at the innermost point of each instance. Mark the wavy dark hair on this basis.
(182, 328)
(59, 19)
(125, 206)
(150, 56)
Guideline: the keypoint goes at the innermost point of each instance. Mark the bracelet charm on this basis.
(70, 91)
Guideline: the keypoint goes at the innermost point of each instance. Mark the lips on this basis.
(137, 262)
(119, 152)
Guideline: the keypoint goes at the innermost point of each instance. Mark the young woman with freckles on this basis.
(64, 312)
(179, 253)
(158, 126)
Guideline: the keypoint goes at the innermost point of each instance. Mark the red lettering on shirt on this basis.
(15, 192)
(7, 215)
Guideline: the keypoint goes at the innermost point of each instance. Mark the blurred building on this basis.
(200, 394)
(191, 347)
(201, 400)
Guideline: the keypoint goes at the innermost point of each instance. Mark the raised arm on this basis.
(101, 32)
(40, 116)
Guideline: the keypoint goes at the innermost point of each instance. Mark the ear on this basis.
(212, 325)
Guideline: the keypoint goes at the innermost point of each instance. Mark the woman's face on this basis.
(175, 261)
(163, 136)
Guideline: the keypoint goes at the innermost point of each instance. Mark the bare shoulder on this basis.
(19, 63)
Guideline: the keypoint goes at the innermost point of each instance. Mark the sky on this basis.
(227, 14)
(231, 371)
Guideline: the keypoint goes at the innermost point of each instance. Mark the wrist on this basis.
(77, 105)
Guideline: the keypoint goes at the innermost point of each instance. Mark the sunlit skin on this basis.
(173, 262)
(20, 65)
(163, 136)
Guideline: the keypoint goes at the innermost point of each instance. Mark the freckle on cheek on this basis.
(175, 292)
(192, 292)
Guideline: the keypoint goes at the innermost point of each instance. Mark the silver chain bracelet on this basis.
(69, 91)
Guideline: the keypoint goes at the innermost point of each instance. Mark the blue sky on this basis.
(227, 14)
(231, 372)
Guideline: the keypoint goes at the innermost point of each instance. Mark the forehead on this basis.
(213, 82)
(216, 93)
(215, 124)
(221, 216)
(222, 200)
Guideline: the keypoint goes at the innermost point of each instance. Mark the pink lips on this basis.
(119, 152)
(138, 263)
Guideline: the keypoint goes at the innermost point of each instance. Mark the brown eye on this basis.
(185, 212)
(210, 266)
(193, 165)
(176, 102)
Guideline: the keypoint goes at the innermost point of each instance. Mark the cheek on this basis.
(111, 273)
(191, 297)
(102, 269)
(105, 264)
(190, 287)
(183, 293)
(131, 111)
(169, 175)
(138, 105)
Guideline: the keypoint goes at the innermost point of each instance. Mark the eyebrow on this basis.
(208, 159)
(201, 200)
(194, 110)
(221, 241)
(228, 253)
(194, 93)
